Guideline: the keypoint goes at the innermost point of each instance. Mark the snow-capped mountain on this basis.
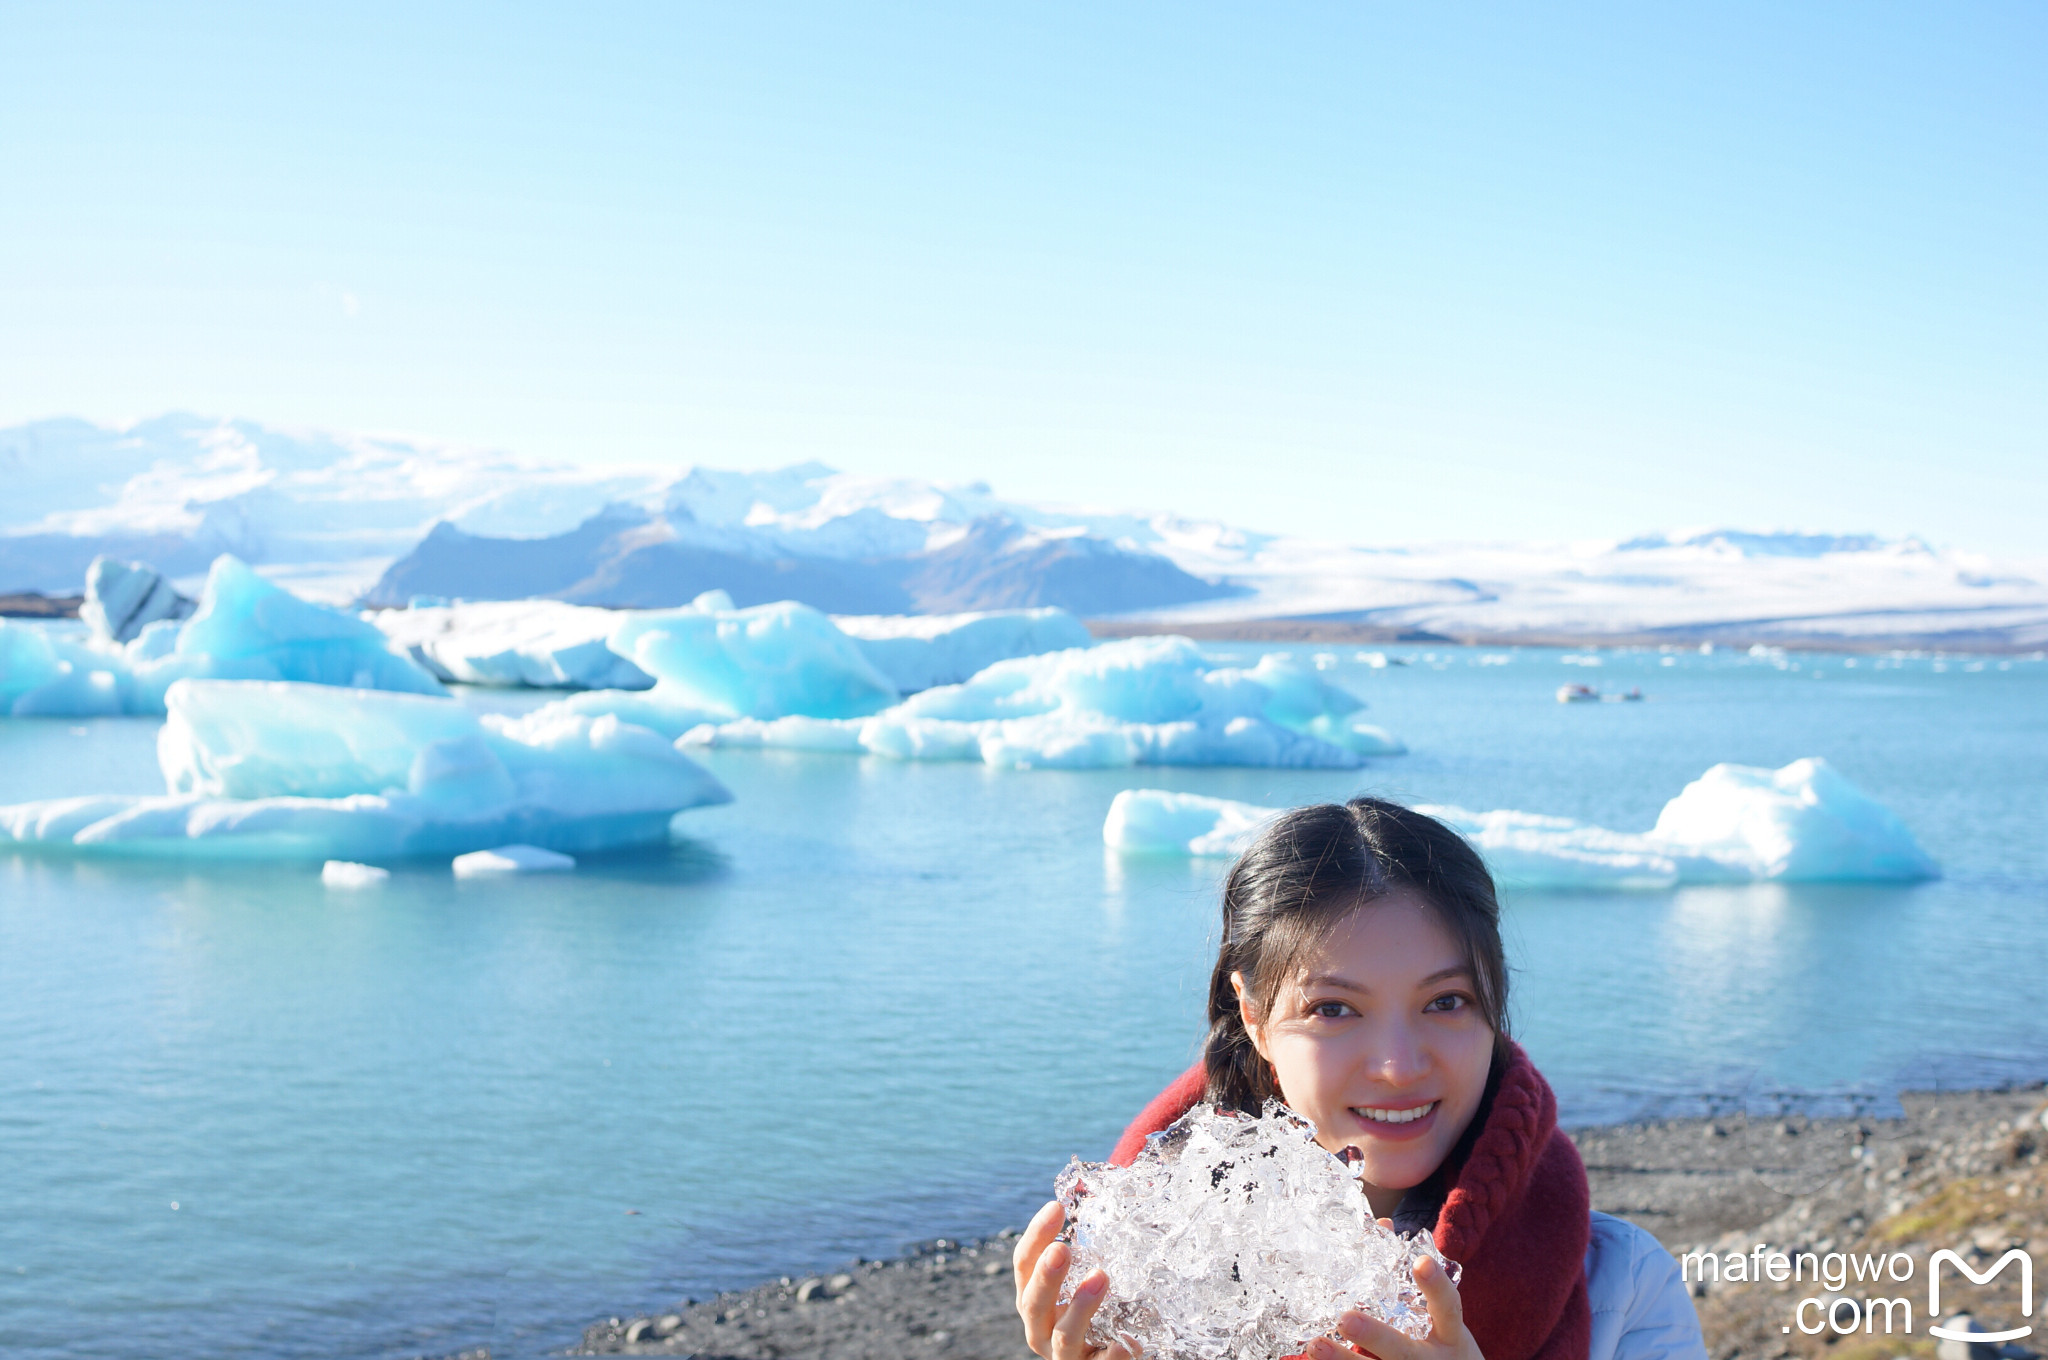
(350, 515)
(339, 515)
(180, 489)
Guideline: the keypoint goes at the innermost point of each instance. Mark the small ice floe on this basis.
(341, 873)
(1182, 823)
(512, 859)
(1586, 694)
(1803, 823)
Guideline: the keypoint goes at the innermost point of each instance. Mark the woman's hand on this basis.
(1447, 1339)
(1055, 1330)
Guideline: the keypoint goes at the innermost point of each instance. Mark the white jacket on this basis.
(1641, 1307)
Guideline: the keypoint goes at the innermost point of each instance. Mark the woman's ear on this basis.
(1249, 1013)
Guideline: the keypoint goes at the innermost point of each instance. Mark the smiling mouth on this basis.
(1382, 1115)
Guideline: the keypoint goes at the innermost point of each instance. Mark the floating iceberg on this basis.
(340, 873)
(1236, 1238)
(1803, 823)
(51, 670)
(1142, 701)
(1157, 821)
(511, 859)
(123, 598)
(552, 644)
(274, 770)
(919, 651)
(1734, 824)
(712, 663)
(548, 644)
(244, 628)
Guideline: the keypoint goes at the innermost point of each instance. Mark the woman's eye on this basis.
(1450, 1001)
(1329, 1010)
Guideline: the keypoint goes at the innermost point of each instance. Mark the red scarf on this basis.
(1518, 1218)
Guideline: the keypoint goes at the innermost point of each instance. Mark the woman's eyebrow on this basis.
(1347, 985)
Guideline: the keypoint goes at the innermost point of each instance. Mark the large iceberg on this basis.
(245, 628)
(123, 598)
(553, 644)
(1233, 1237)
(919, 651)
(279, 770)
(1142, 701)
(48, 670)
(548, 644)
(712, 663)
(1804, 823)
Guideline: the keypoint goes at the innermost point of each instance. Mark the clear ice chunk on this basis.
(1239, 1237)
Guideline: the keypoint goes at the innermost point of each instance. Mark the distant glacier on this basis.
(387, 520)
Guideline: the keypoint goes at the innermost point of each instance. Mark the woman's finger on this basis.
(1070, 1334)
(1446, 1309)
(1374, 1337)
(1323, 1348)
(1038, 1297)
(1036, 1237)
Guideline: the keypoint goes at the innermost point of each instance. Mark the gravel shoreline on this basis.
(1960, 1169)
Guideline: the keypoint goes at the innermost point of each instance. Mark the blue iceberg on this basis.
(712, 663)
(287, 770)
(919, 651)
(247, 628)
(1142, 701)
(244, 628)
(48, 671)
(1803, 823)
(557, 645)
(545, 644)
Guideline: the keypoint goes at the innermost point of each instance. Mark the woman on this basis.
(1361, 980)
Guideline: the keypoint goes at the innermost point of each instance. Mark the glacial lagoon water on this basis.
(870, 1003)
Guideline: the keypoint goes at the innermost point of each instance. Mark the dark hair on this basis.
(1308, 871)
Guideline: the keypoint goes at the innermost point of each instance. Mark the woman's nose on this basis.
(1400, 1057)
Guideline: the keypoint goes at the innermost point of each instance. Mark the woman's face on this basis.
(1380, 1041)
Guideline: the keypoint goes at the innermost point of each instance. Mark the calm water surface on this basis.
(871, 1003)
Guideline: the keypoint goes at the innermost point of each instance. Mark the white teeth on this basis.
(1392, 1116)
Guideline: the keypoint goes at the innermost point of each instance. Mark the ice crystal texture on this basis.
(1235, 1236)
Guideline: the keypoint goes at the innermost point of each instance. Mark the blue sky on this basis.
(1372, 272)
